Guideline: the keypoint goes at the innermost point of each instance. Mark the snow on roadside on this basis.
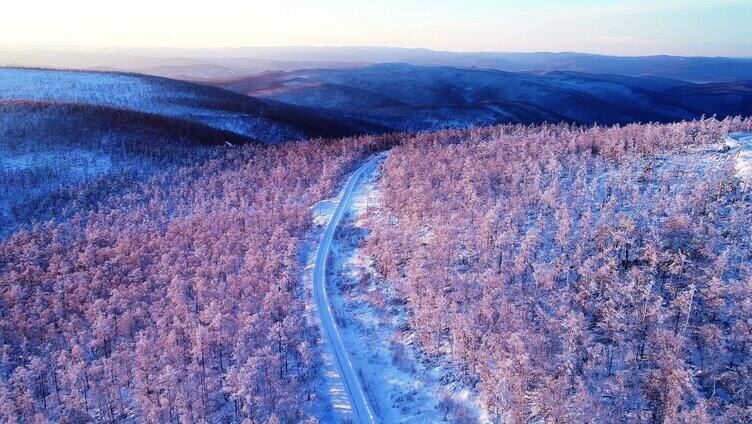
(743, 143)
(331, 403)
(403, 384)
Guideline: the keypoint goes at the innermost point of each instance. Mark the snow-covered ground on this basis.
(338, 347)
(741, 143)
(340, 395)
(34, 175)
(402, 384)
(82, 163)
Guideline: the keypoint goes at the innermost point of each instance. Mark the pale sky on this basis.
(629, 27)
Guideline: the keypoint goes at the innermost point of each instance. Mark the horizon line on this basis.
(99, 49)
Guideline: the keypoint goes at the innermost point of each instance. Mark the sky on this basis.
(628, 27)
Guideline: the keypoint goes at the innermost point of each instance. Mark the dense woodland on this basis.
(578, 274)
(177, 300)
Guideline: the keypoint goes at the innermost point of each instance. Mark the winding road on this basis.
(361, 408)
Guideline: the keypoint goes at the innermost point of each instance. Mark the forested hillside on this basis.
(261, 120)
(56, 158)
(175, 301)
(570, 274)
(578, 274)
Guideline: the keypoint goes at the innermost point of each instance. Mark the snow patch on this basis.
(332, 402)
(403, 384)
(742, 143)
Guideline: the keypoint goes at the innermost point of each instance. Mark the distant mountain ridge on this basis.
(188, 63)
(688, 68)
(406, 97)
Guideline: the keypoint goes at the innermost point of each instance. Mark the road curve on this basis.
(362, 410)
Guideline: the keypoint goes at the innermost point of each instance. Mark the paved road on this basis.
(361, 409)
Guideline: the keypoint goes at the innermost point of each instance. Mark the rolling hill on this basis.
(262, 120)
(408, 97)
